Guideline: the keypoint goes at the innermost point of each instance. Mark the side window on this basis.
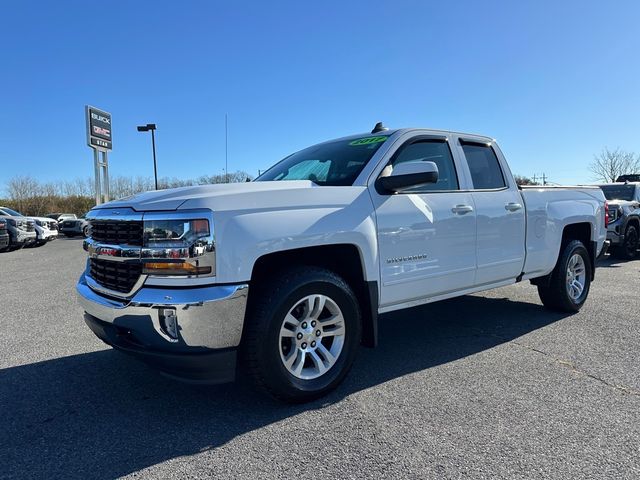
(436, 151)
(484, 166)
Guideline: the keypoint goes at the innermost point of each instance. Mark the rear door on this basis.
(426, 234)
(500, 212)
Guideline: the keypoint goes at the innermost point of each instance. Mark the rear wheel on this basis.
(568, 287)
(302, 334)
(85, 231)
(629, 248)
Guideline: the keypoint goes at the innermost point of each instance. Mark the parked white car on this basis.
(289, 272)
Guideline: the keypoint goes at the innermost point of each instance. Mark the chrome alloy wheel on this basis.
(576, 276)
(312, 337)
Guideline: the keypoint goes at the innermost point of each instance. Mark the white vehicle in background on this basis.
(289, 273)
(23, 231)
(46, 229)
(60, 217)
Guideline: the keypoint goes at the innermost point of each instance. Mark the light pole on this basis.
(151, 127)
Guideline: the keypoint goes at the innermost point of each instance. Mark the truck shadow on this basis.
(103, 415)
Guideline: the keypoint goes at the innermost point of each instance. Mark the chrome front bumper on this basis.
(208, 317)
(25, 237)
(48, 235)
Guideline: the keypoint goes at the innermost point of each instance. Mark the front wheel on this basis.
(568, 287)
(302, 334)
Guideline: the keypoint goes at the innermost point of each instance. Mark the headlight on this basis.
(178, 247)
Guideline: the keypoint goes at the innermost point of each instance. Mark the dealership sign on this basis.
(98, 129)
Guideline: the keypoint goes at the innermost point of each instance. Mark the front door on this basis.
(426, 234)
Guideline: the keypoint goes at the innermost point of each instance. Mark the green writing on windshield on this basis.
(367, 141)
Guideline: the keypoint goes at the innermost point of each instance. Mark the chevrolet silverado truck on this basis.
(284, 277)
(624, 218)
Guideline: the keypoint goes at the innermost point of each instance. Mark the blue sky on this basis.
(554, 82)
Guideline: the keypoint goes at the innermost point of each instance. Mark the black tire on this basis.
(629, 248)
(85, 231)
(555, 295)
(262, 344)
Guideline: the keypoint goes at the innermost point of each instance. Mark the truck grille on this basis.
(116, 232)
(31, 226)
(118, 276)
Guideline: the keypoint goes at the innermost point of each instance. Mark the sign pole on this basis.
(96, 164)
(155, 166)
(105, 164)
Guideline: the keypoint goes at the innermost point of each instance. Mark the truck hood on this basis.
(43, 219)
(218, 196)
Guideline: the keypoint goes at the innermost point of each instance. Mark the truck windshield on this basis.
(618, 192)
(333, 163)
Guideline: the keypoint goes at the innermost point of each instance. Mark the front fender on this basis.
(244, 236)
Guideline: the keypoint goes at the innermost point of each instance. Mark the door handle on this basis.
(513, 207)
(462, 209)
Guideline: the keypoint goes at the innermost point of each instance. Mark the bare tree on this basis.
(608, 165)
(522, 180)
(30, 197)
(232, 177)
(22, 190)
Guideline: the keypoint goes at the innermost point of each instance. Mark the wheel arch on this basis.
(581, 231)
(574, 231)
(632, 220)
(343, 259)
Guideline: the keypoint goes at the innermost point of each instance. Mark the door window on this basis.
(485, 169)
(436, 151)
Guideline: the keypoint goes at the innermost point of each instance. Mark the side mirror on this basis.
(409, 174)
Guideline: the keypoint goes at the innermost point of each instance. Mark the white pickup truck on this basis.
(286, 275)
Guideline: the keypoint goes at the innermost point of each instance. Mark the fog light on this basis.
(169, 323)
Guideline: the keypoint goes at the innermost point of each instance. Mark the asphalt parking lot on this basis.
(484, 386)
